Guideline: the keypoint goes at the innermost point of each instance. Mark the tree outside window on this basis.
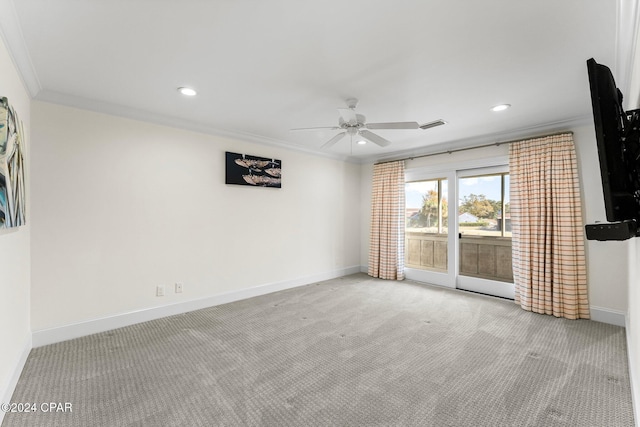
(483, 205)
(427, 208)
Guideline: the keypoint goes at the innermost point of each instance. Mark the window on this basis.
(483, 205)
(426, 224)
(426, 206)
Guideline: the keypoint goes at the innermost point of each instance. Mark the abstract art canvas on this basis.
(243, 169)
(12, 182)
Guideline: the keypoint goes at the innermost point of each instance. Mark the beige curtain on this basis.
(386, 245)
(548, 246)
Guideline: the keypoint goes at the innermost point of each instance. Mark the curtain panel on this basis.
(386, 244)
(548, 245)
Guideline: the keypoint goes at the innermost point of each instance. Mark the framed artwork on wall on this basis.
(12, 182)
(243, 169)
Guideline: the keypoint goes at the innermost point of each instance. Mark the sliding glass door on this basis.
(427, 248)
(465, 243)
(484, 232)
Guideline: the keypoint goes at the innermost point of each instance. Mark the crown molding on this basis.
(159, 119)
(475, 141)
(173, 122)
(626, 37)
(627, 25)
(11, 34)
(627, 32)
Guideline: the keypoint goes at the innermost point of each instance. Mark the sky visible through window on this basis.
(487, 185)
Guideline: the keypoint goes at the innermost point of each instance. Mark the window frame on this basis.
(441, 196)
(502, 171)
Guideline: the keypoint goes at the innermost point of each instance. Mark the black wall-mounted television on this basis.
(618, 142)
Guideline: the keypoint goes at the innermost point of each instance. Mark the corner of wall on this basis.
(9, 384)
(15, 243)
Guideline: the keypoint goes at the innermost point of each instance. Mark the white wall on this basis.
(121, 206)
(632, 101)
(15, 332)
(607, 262)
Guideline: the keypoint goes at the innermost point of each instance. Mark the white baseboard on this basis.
(606, 315)
(10, 384)
(76, 330)
(634, 380)
(598, 314)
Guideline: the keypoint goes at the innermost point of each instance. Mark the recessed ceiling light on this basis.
(500, 107)
(187, 91)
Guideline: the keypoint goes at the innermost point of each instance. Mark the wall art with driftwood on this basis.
(243, 169)
(12, 168)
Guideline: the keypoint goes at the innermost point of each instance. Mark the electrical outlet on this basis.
(159, 291)
(178, 287)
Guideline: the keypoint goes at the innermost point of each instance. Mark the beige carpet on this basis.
(354, 351)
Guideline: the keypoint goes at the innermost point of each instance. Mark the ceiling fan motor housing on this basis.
(359, 122)
(354, 124)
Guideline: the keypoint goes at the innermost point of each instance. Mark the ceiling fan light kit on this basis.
(355, 125)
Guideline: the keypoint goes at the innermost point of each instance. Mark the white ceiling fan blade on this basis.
(317, 128)
(348, 115)
(376, 139)
(393, 125)
(333, 140)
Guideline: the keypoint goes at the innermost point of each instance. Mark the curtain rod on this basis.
(493, 144)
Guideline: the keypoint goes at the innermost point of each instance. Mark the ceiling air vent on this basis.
(430, 125)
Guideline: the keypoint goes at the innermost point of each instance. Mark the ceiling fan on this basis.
(354, 124)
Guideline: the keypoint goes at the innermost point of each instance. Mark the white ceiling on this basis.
(264, 67)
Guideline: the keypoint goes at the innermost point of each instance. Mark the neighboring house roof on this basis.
(467, 217)
(411, 211)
